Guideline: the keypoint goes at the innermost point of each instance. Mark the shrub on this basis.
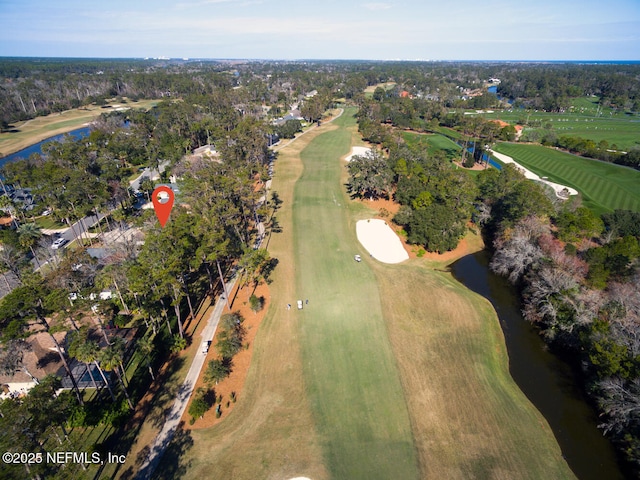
(217, 370)
(199, 405)
(256, 303)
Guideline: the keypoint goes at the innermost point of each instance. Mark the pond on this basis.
(549, 382)
(37, 147)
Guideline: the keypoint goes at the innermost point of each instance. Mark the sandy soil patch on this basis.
(476, 166)
(532, 176)
(241, 361)
(357, 151)
(381, 241)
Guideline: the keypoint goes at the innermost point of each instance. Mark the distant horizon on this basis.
(552, 30)
(233, 59)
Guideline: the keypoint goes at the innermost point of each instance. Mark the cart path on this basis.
(172, 420)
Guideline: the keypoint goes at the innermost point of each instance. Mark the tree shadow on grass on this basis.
(164, 393)
(269, 268)
(173, 464)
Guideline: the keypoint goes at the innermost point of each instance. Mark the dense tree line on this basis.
(578, 277)
(31, 87)
(437, 201)
(549, 87)
(156, 285)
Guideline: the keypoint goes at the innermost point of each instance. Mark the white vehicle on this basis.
(105, 295)
(357, 258)
(299, 304)
(205, 346)
(59, 243)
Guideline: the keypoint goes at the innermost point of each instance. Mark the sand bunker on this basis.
(357, 151)
(559, 189)
(380, 241)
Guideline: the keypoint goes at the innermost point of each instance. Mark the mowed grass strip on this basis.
(470, 420)
(271, 432)
(604, 187)
(350, 372)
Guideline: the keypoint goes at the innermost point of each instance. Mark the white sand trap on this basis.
(381, 241)
(532, 176)
(357, 151)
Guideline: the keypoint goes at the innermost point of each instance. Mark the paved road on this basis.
(163, 439)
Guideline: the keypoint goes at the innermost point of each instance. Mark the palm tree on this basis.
(111, 360)
(146, 346)
(88, 352)
(8, 206)
(29, 234)
(77, 349)
(178, 343)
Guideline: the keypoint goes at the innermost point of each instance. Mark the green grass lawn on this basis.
(584, 119)
(48, 222)
(471, 419)
(604, 187)
(434, 143)
(350, 371)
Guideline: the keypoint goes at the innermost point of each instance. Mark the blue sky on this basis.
(325, 29)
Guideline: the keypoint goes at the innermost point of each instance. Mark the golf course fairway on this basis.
(388, 372)
(349, 368)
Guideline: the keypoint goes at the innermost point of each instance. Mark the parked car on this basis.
(59, 243)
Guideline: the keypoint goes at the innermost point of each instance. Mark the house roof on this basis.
(40, 360)
(501, 123)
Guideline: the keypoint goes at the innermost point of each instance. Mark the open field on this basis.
(385, 85)
(584, 120)
(368, 91)
(603, 186)
(40, 128)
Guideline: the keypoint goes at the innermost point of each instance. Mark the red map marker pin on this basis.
(162, 198)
